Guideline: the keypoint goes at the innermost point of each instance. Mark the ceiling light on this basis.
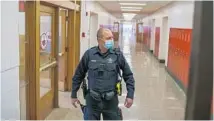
(138, 4)
(128, 16)
(131, 7)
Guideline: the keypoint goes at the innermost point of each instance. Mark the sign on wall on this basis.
(21, 6)
(45, 42)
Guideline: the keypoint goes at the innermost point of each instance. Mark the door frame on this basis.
(200, 87)
(63, 16)
(74, 21)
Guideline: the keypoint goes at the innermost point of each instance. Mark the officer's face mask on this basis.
(109, 44)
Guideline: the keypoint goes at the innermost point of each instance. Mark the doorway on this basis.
(93, 27)
(47, 48)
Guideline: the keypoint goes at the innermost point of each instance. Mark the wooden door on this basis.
(47, 61)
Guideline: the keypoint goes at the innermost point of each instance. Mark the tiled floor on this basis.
(157, 97)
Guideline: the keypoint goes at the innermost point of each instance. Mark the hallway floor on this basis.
(157, 97)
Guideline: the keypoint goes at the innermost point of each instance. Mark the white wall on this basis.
(180, 15)
(84, 41)
(164, 39)
(103, 18)
(10, 60)
(93, 30)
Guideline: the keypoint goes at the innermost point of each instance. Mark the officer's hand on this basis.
(128, 102)
(74, 101)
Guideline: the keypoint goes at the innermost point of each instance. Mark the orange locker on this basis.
(179, 53)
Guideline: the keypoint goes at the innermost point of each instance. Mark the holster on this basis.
(84, 88)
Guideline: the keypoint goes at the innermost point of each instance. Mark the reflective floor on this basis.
(157, 97)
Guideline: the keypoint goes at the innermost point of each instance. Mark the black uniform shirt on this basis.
(94, 54)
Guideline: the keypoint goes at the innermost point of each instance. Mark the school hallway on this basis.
(167, 44)
(157, 96)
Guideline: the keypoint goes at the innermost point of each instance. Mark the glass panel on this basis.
(45, 39)
(45, 52)
(45, 82)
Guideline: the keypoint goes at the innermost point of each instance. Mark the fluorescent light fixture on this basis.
(137, 4)
(130, 9)
(122, 7)
(128, 16)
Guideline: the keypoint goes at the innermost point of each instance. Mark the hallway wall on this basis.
(180, 15)
(104, 18)
(10, 108)
(180, 22)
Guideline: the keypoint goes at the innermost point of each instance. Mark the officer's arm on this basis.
(127, 76)
(79, 74)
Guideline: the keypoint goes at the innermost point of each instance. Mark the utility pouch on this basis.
(109, 95)
(95, 95)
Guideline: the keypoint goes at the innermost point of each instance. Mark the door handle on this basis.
(45, 67)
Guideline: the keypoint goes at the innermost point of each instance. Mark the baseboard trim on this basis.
(151, 51)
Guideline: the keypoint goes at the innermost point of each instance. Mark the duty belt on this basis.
(99, 96)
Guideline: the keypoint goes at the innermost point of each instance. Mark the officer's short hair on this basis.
(100, 33)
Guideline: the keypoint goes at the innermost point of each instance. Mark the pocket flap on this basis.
(93, 66)
(111, 67)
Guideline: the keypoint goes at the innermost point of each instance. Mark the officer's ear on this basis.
(99, 39)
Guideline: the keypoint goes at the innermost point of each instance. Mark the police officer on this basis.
(102, 63)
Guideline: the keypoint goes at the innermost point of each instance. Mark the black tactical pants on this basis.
(108, 108)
